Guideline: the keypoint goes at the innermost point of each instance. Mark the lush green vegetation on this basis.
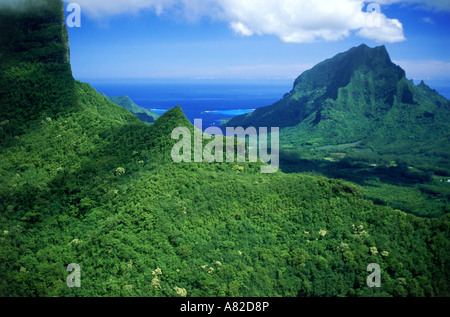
(357, 117)
(279, 235)
(36, 77)
(144, 115)
(83, 181)
(384, 180)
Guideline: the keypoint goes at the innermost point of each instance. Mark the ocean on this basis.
(443, 90)
(211, 102)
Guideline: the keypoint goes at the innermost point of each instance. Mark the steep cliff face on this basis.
(36, 77)
(65, 37)
(35, 31)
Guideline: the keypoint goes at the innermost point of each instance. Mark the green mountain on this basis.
(357, 117)
(358, 99)
(83, 181)
(144, 115)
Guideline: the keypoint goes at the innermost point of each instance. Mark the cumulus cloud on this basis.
(297, 21)
(385, 30)
(241, 29)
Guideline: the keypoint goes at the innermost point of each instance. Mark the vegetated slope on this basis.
(96, 187)
(356, 117)
(315, 86)
(359, 97)
(34, 57)
(144, 115)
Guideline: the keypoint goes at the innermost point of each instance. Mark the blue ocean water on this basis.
(443, 90)
(211, 102)
(441, 86)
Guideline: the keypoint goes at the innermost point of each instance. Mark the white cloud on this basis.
(241, 29)
(387, 31)
(298, 21)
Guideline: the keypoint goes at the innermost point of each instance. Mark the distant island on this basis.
(145, 115)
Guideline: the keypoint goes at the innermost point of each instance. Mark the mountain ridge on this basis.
(321, 82)
(143, 114)
(356, 96)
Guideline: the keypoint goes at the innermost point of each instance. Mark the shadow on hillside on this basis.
(353, 171)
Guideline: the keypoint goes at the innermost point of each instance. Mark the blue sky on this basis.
(253, 39)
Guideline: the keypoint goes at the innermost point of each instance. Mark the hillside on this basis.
(34, 56)
(144, 115)
(358, 97)
(357, 117)
(83, 181)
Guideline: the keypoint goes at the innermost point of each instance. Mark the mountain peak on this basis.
(356, 96)
(170, 120)
(337, 72)
(175, 112)
(379, 52)
(365, 48)
(381, 48)
(316, 86)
